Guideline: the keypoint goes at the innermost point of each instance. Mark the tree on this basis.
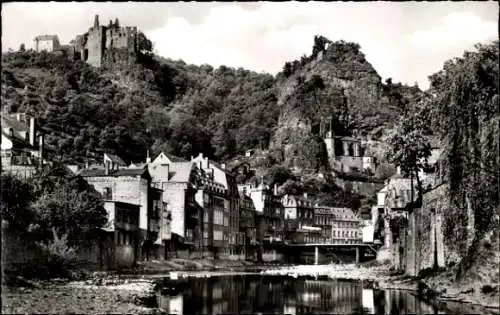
(144, 45)
(287, 69)
(16, 200)
(409, 144)
(22, 48)
(67, 204)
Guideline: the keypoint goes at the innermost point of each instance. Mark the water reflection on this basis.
(282, 295)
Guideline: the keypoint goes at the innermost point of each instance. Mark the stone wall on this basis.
(18, 249)
(432, 245)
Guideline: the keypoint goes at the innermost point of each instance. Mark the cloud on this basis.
(405, 41)
(429, 48)
(260, 39)
(456, 29)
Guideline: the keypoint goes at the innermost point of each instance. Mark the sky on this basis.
(405, 41)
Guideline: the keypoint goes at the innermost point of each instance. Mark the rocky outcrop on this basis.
(350, 83)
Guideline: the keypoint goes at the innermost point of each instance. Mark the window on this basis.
(108, 193)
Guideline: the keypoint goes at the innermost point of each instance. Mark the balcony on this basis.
(126, 226)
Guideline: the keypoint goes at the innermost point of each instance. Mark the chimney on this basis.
(207, 163)
(275, 189)
(398, 170)
(41, 144)
(106, 168)
(223, 165)
(18, 116)
(148, 159)
(87, 164)
(305, 195)
(32, 131)
(96, 21)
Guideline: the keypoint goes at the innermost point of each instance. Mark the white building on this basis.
(47, 43)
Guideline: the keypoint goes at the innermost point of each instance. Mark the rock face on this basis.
(350, 82)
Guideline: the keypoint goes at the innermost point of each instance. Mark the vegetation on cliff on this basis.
(461, 109)
(465, 107)
(141, 102)
(152, 102)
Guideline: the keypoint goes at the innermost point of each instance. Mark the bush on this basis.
(60, 257)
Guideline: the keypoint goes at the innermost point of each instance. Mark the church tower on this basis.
(330, 141)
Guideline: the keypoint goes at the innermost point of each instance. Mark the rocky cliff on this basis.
(335, 87)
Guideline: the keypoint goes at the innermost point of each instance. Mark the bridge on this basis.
(360, 248)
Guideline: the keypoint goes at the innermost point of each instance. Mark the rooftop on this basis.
(115, 159)
(100, 171)
(47, 37)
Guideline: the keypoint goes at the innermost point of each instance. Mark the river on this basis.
(250, 294)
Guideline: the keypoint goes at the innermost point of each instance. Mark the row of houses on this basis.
(170, 207)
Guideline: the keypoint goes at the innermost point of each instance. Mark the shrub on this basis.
(60, 257)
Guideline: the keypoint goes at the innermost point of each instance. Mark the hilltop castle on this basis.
(92, 46)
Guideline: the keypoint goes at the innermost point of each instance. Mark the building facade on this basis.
(247, 225)
(48, 43)
(22, 145)
(123, 229)
(221, 176)
(299, 218)
(117, 182)
(179, 181)
(338, 225)
(347, 154)
(269, 213)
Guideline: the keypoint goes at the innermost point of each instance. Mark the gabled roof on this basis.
(180, 172)
(175, 158)
(100, 172)
(165, 158)
(115, 159)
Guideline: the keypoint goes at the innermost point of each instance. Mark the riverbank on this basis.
(436, 288)
(106, 292)
(53, 297)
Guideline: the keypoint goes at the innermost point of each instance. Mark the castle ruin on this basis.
(92, 46)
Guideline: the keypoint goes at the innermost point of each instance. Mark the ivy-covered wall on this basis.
(440, 229)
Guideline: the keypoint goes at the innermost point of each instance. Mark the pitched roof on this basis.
(167, 158)
(175, 158)
(181, 171)
(9, 121)
(115, 159)
(99, 172)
